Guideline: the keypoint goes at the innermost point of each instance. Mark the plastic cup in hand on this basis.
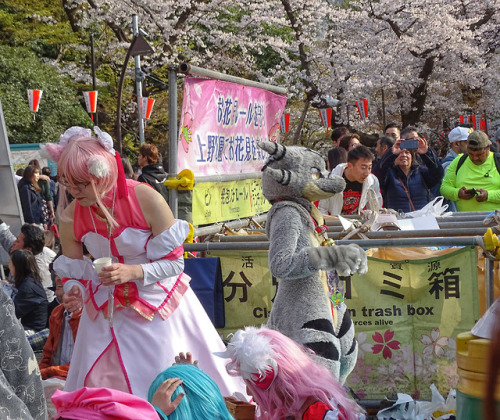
(102, 262)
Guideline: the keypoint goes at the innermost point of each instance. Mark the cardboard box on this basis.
(240, 410)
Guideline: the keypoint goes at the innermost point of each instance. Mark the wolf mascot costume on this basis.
(292, 179)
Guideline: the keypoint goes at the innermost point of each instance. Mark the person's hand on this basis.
(482, 196)
(162, 398)
(115, 274)
(464, 195)
(186, 359)
(396, 148)
(73, 300)
(422, 146)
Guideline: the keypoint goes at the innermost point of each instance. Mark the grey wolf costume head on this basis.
(296, 172)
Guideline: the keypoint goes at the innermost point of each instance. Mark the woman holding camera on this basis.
(407, 172)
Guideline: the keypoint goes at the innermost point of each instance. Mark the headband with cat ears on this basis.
(253, 357)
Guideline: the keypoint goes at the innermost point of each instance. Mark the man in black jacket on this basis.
(152, 173)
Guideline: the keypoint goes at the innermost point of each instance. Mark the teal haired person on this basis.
(185, 392)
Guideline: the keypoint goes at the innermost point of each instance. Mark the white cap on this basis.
(459, 134)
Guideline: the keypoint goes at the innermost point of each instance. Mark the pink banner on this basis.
(222, 122)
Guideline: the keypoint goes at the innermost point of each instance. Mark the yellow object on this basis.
(472, 363)
(491, 241)
(438, 413)
(221, 201)
(183, 181)
(190, 236)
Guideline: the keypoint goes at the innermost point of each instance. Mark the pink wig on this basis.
(74, 160)
(297, 376)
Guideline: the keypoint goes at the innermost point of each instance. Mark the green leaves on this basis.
(20, 69)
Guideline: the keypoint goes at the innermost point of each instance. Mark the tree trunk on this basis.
(419, 95)
(298, 130)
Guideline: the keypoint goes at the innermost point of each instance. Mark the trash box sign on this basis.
(407, 314)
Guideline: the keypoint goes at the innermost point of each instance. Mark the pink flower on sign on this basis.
(385, 344)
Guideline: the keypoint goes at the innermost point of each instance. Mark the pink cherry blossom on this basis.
(386, 344)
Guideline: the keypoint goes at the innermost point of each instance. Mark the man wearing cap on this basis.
(475, 185)
(458, 144)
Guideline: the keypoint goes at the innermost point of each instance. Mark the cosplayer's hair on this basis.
(296, 376)
(83, 158)
(202, 398)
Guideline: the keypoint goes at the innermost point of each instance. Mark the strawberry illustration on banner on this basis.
(285, 123)
(34, 97)
(362, 106)
(147, 108)
(91, 102)
(326, 116)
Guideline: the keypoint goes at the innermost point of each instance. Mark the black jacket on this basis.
(31, 202)
(396, 186)
(31, 304)
(154, 175)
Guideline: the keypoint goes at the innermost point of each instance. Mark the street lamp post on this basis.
(139, 46)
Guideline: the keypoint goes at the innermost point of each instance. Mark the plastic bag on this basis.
(405, 408)
(433, 208)
(438, 407)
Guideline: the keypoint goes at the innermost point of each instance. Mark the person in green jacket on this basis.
(475, 185)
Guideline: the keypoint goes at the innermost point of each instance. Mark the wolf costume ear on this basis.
(275, 150)
(281, 176)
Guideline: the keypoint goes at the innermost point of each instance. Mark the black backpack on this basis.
(496, 156)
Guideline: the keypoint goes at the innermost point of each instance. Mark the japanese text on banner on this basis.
(222, 122)
(221, 201)
(407, 314)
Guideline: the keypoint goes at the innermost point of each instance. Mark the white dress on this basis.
(151, 323)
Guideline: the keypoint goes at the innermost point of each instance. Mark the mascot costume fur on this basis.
(299, 253)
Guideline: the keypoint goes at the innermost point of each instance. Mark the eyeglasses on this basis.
(79, 187)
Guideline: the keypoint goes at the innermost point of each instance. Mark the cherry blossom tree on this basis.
(431, 60)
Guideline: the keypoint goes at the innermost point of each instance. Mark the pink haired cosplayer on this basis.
(138, 312)
(284, 380)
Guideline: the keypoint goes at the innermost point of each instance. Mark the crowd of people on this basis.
(93, 327)
(403, 173)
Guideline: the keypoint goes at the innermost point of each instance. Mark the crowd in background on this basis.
(409, 174)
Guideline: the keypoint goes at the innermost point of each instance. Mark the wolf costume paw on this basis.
(346, 259)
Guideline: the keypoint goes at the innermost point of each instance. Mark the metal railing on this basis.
(457, 230)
